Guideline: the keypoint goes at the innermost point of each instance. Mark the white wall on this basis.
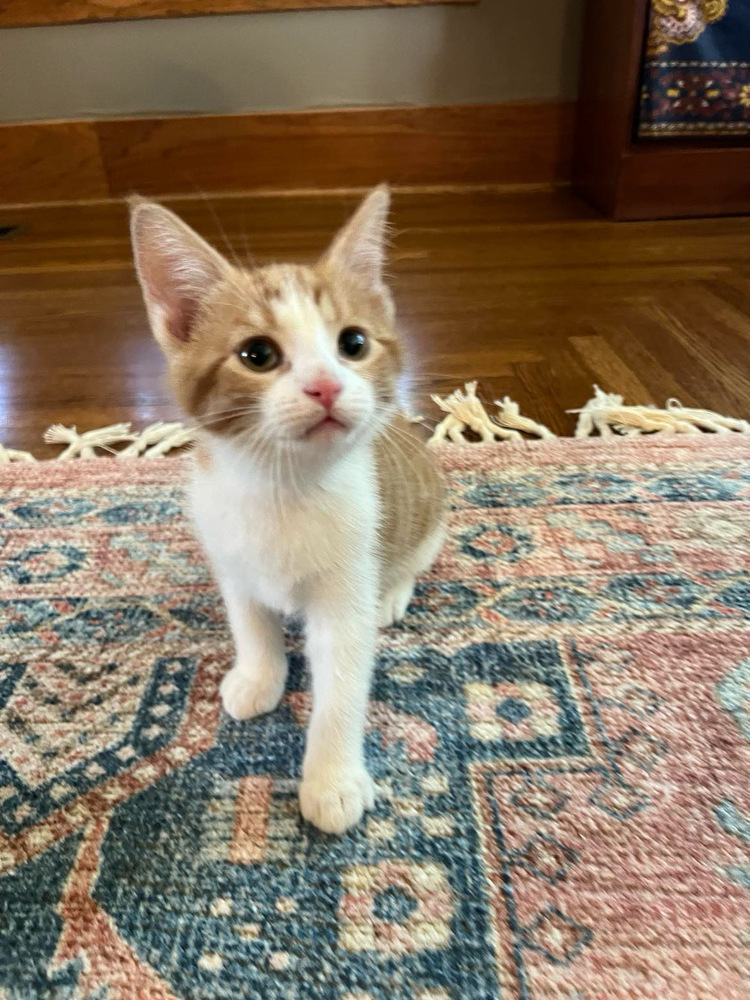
(501, 50)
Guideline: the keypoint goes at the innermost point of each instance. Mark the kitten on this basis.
(309, 493)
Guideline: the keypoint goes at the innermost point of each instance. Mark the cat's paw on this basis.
(395, 602)
(245, 696)
(336, 800)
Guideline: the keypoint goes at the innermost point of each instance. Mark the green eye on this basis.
(353, 343)
(260, 354)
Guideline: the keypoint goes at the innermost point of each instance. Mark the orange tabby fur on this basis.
(310, 492)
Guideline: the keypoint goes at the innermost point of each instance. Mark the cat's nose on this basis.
(323, 389)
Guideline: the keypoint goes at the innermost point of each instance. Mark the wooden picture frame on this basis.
(26, 13)
(628, 178)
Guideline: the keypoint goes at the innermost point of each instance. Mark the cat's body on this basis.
(310, 494)
(384, 496)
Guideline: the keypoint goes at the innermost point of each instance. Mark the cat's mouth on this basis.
(328, 425)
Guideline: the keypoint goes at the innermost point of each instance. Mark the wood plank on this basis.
(18, 13)
(668, 180)
(696, 310)
(523, 143)
(613, 34)
(493, 144)
(612, 373)
(467, 207)
(50, 160)
(733, 291)
(688, 353)
(659, 381)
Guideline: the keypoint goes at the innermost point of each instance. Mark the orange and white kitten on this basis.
(309, 493)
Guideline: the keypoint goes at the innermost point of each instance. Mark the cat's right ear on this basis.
(177, 270)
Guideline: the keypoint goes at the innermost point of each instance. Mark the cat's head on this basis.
(302, 359)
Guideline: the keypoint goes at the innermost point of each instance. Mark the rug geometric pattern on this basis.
(559, 731)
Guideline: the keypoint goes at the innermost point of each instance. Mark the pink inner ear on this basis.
(176, 267)
(180, 317)
(179, 303)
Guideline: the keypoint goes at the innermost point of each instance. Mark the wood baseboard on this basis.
(520, 143)
(666, 181)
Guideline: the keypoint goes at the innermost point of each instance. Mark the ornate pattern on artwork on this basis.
(559, 733)
(678, 22)
(696, 76)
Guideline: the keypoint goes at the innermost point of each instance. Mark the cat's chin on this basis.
(327, 427)
(327, 440)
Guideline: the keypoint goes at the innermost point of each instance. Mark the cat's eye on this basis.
(260, 354)
(353, 343)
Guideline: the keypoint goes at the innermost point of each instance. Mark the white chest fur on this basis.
(274, 542)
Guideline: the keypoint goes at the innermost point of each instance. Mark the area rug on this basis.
(559, 731)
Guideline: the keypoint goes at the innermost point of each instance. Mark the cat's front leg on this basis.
(341, 635)
(255, 683)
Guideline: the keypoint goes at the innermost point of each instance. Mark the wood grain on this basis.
(17, 13)
(52, 160)
(534, 293)
(613, 38)
(510, 143)
(526, 143)
(670, 180)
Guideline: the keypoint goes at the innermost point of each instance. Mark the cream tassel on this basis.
(466, 412)
(156, 440)
(510, 416)
(707, 419)
(8, 455)
(85, 445)
(607, 414)
(152, 442)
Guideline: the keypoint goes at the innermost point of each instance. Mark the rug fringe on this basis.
(8, 455)
(153, 441)
(608, 414)
(466, 412)
(605, 414)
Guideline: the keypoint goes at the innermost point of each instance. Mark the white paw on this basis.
(335, 800)
(245, 696)
(395, 602)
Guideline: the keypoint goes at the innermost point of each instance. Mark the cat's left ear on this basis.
(360, 247)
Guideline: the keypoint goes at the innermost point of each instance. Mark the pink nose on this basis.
(324, 389)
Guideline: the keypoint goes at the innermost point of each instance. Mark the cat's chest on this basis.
(274, 546)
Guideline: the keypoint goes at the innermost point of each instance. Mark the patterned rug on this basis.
(559, 731)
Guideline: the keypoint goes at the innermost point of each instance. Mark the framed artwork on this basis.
(20, 13)
(663, 122)
(696, 71)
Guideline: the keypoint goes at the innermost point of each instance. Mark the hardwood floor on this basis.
(530, 292)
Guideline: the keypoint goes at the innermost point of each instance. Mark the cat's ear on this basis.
(360, 247)
(177, 270)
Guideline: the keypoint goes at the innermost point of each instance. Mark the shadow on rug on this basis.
(559, 730)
